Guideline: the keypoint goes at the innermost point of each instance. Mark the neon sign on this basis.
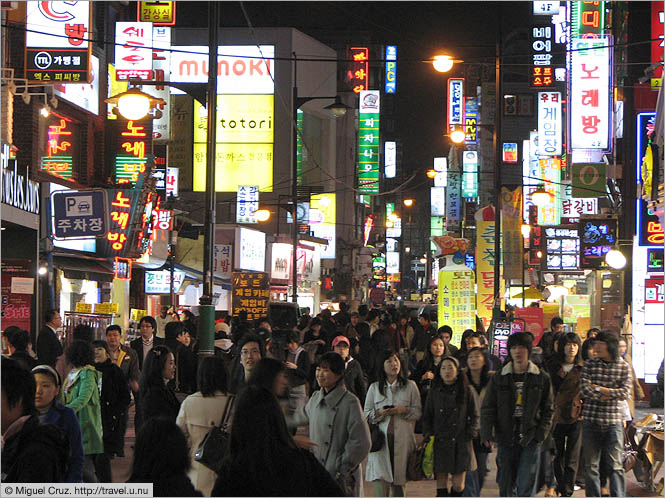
(358, 73)
(131, 155)
(58, 160)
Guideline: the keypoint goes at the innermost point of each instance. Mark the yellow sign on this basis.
(157, 12)
(245, 119)
(115, 308)
(326, 205)
(103, 308)
(83, 308)
(135, 315)
(415, 297)
(456, 302)
(236, 164)
(485, 271)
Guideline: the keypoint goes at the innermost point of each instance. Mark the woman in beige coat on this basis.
(201, 411)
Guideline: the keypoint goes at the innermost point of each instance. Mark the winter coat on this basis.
(478, 445)
(567, 392)
(338, 427)
(497, 411)
(34, 453)
(298, 473)
(186, 365)
(197, 415)
(82, 396)
(24, 359)
(159, 401)
(378, 462)
(137, 346)
(454, 425)
(65, 418)
(355, 379)
(115, 401)
(128, 361)
(48, 346)
(171, 485)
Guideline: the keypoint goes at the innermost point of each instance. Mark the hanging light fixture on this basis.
(443, 63)
(541, 197)
(457, 136)
(134, 104)
(615, 259)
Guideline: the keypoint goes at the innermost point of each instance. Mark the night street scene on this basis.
(332, 248)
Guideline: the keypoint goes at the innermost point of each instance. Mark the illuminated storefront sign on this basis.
(471, 120)
(327, 232)
(390, 160)
(572, 208)
(171, 182)
(251, 249)
(122, 269)
(241, 69)
(549, 124)
(655, 260)
(357, 74)
(456, 301)
(85, 95)
(510, 152)
(56, 41)
(392, 262)
(649, 229)
(396, 230)
(368, 142)
(120, 212)
(438, 201)
(247, 203)
(61, 148)
(159, 13)
(587, 18)
(657, 19)
(588, 179)
(441, 168)
(550, 171)
(250, 293)
(645, 128)
(455, 103)
(562, 248)
(299, 123)
(161, 64)
(245, 135)
(280, 261)
(222, 260)
(391, 69)
(597, 238)
(367, 229)
(590, 110)
(470, 173)
(162, 219)
(133, 52)
(133, 145)
(453, 201)
(542, 8)
(17, 189)
(159, 282)
(542, 69)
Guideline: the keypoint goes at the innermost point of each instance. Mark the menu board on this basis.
(562, 247)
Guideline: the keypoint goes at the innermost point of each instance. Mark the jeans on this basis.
(519, 469)
(605, 440)
(546, 475)
(568, 440)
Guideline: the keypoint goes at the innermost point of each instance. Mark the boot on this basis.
(456, 493)
(442, 492)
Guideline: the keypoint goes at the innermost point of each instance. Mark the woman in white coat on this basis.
(394, 403)
(200, 411)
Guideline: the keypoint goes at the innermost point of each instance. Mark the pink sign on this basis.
(15, 307)
(534, 321)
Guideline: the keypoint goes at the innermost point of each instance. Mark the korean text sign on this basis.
(251, 292)
(549, 123)
(79, 214)
(590, 109)
(391, 69)
(368, 142)
(455, 103)
(133, 50)
(597, 238)
(56, 40)
(357, 74)
(456, 301)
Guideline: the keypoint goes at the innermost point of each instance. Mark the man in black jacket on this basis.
(31, 452)
(48, 346)
(518, 410)
(354, 377)
(18, 348)
(148, 339)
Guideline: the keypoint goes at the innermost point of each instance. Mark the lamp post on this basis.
(338, 109)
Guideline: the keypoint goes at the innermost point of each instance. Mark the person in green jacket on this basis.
(81, 394)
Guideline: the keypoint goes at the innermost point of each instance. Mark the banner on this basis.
(456, 303)
(511, 222)
(485, 271)
(453, 201)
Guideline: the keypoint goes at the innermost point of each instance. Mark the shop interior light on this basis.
(407, 249)
(615, 259)
(541, 197)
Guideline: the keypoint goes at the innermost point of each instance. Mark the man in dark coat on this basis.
(31, 452)
(18, 348)
(518, 408)
(148, 339)
(354, 377)
(48, 346)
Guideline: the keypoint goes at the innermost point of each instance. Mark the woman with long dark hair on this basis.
(162, 458)
(202, 410)
(263, 459)
(478, 375)
(451, 415)
(427, 369)
(565, 369)
(393, 402)
(157, 397)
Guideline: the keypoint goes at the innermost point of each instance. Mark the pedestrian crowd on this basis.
(363, 384)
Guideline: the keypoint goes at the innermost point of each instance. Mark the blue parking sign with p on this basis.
(79, 214)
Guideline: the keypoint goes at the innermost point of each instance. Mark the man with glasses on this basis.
(251, 349)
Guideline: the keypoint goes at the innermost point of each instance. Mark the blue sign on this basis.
(79, 214)
(455, 102)
(391, 69)
(645, 124)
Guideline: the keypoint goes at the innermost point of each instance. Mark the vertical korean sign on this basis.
(470, 173)
(391, 69)
(549, 124)
(485, 270)
(542, 72)
(357, 74)
(133, 50)
(455, 103)
(247, 204)
(456, 302)
(453, 201)
(550, 171)
(511, 221)
(590, 109)
(251, 292)
(132, 146)
(62, 146)
(56, 42)
(368, 142)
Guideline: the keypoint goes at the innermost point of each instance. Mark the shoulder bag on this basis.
(215, 445)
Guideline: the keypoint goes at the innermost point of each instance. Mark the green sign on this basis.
(589, 179)
(368, 142)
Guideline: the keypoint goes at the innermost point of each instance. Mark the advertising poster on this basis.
(534, 321)
(574, 307)
(456, 302)
(16, 302)
(500, 339)
(251, 292)
(485, 271)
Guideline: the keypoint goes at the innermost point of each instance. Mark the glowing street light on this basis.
(443, 63)
(526, 230)
(541, 197)
(134, 104)
(408, 202)
(431, 173)
(457, 136)
(262, 215)
(615, 259)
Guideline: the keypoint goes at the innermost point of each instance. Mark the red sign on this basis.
(16, 308)
(133, 142)
(358, 73)
(59, 149)
(657, 35)
(119, 220)
(534, 321)
(653, 291)
(162, 219)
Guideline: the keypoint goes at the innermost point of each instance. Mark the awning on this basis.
(84, 269)
(196, 275)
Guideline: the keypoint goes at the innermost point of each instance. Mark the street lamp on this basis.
(134, 104)
(457, 136)
(541, 197)
(408, 202)
(615, 259)
(443, 63)
(262, 215)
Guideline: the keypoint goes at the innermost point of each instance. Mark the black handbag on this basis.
(215, 444)
(377, 436)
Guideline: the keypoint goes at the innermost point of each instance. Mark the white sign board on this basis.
(133, 48)
(392, 262)
(159, 282)
(47, 24)
(390, 159)
(222, 261)
(590, 109)
(545, 8)
(22, 285)
(86, 95)
(325, 231)
(438, 201)
(161, 66)
(250, 250)
(240, 68)
(549, 124)
(280, 261)
(441, 168)
(172, 182)
(247, 203)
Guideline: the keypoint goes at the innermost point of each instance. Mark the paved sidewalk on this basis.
(122, 466)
